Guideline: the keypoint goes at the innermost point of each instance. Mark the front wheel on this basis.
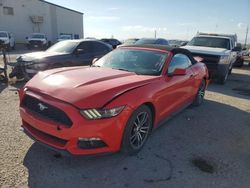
(14, 46)
(223, 78)
(137, 130)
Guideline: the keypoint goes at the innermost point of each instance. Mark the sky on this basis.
(172, 19)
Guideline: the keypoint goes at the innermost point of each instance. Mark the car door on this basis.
(83, 54)
(178, 89)
(12, 40)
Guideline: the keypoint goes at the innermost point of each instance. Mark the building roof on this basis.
(61, 6)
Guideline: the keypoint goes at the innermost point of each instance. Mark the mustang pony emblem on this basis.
(42, 106)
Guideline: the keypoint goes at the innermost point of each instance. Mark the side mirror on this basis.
(236, 49)
(26, 38)
(94, 60)
(178, 72)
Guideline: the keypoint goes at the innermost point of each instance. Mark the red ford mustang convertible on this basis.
(115, 103)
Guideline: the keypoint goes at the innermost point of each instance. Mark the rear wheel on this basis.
(200, 94)
(137, 130)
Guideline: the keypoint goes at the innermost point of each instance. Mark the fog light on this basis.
(90, 143)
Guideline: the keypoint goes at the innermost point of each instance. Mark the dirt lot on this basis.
(214, 136)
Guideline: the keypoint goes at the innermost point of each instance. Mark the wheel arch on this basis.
(151, 106)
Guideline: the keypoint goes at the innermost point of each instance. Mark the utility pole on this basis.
(155, 33)
(246, 37)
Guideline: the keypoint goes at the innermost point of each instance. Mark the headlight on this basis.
(26, 63)
(101, 113)
(224, 59)
(6, 41)
(39, 66)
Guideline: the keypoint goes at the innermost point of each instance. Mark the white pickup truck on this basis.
(37, 40)
(217, 51)
(8, 39)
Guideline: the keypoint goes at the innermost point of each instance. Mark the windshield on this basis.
(63, 47)
(65, 37)
(38, 36)
(130, 41)
(138, 61)
(2, 34)
(210, 42)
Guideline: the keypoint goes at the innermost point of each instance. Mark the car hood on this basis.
(38, 56)
(4, 38)
(87, 87)
(206, 50)
(30, 39)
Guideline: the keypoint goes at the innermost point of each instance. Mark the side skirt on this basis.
(165, 120)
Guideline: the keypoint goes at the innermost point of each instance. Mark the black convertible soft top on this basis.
(166, 48)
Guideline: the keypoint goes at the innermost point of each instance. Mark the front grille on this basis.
(46, 111)
(37, 135)
(35, 42)
(211, 61)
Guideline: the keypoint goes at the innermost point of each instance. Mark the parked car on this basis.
(8, 39)
(114, 104)
(37, 41)
(130, 41)
(239, 59)
(218, 53)
(158, 41)
(66, 53)
(177, 43)
(113, 42)
(245, 52)
(64, 37)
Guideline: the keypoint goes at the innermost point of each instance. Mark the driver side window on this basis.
(85, 48)
(180, 61)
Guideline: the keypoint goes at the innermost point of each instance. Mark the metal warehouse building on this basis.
(23, 17)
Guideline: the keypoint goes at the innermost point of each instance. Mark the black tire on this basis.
(221, 79)
(137, 130)
(241, 63)
(200, 94)
(230, 70)
(14, 46)
(8, 47)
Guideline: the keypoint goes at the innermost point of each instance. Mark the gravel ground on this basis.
(214, 136)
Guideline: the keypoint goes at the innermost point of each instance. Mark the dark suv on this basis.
(63, 54)
(113, 42)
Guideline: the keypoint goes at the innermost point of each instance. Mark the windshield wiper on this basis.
(95, 66)
(121, 69)
(127, 70)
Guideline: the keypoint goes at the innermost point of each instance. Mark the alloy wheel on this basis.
(140, 130)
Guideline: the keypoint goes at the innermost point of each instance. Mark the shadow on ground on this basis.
(237, 85)
(166, 158)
